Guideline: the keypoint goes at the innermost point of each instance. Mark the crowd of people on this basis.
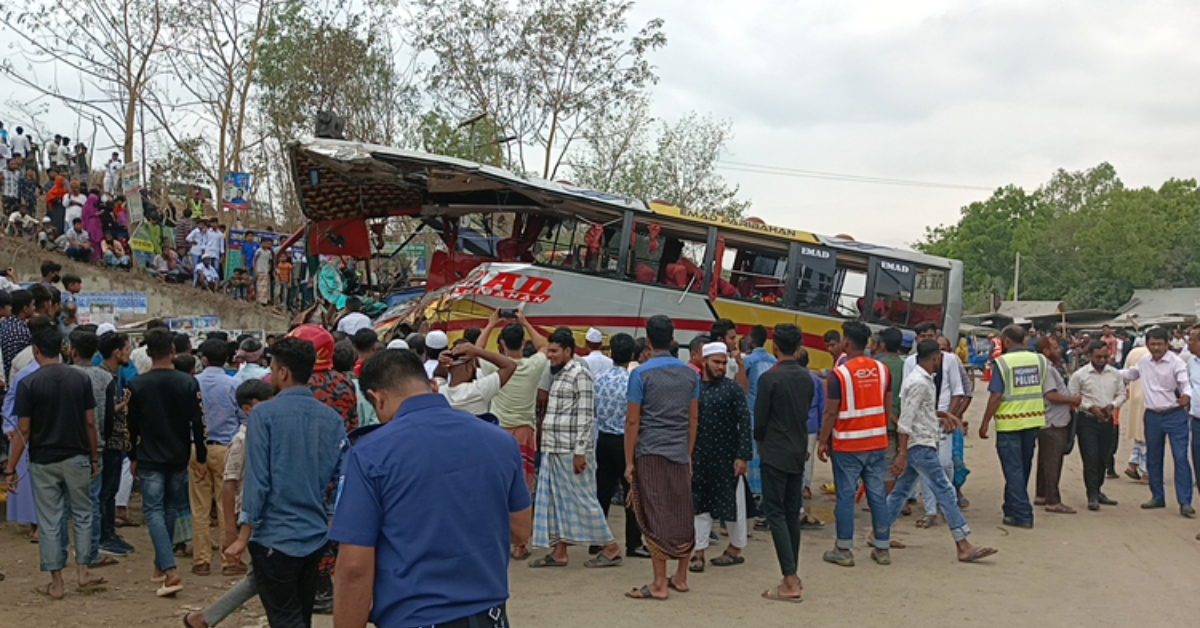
(543, 437)
(51, 197)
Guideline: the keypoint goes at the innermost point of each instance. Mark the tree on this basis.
(677, 167)
(540, 70)
(110, 51)
(211, 62)
(1084, 239)
(315, 58)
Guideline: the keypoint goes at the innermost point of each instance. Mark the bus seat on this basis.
(643, 274)
(726, 290)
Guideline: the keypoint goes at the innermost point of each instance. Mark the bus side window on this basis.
(929, 296)
(754, 276)
(818, 280)
(576, 245)
(645, 254)
(891, 301)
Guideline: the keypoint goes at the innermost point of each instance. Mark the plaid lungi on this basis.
(566, 509)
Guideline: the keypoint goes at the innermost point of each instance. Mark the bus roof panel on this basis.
(400, 181)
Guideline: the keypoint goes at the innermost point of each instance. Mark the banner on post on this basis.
(233, 193)
(131, 187)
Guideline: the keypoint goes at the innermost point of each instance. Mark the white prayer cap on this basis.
(397, 344)
(714, 348)
(594, 335)
(105, 328)
(437, 340)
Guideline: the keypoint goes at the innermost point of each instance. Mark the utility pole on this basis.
(1017, 279)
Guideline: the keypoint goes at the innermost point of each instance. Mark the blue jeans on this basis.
(59, 488)
(111, 260)
(1016, 461)
(848, 469)
(164, 497)
(1161, 426)
(925, 465)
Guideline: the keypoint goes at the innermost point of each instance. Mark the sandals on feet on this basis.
(643, 594)
(674, 587)
(727, 560)
(978, 554)
(809, 522)
(696, 564)
(600, 560)
(926, 522)
(546, 561)
(774, 595)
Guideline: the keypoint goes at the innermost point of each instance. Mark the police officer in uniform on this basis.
(1017, 404)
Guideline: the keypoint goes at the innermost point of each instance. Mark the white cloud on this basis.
(976, 93)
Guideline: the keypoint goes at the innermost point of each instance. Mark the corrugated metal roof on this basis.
(1166, 303)
(1025, 310)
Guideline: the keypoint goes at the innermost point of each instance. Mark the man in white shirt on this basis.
(355, 319)
(74, 203)
(596, 361)
(467, 392)
(951, 394)
(435, 343)
(112, 174)
(206, 276)
(920, 428)
(1101, 392)
(197, 239)
(20, 144)
(214, 242)
(262, 271)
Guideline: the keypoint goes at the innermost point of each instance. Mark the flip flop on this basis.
(45, 591)
(979, 554)
(926, 522)
(521, 553)
(643, 594)
(165, 591)
(546, 561)
(104, 561)
(809, 522)
(672, 586)
(92, 585)
(1061, 509)
(774, 595)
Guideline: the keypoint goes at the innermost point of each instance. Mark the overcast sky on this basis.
(949, 91)
(963, 92)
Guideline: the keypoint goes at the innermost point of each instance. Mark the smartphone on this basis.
(508, 313)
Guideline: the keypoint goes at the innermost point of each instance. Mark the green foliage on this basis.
(1084, 238)
(678, 166)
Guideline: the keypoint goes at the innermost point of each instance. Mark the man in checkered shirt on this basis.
(566, 511)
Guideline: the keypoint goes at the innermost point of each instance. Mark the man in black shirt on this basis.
(165, 421)
(781, 428)
(55, 411)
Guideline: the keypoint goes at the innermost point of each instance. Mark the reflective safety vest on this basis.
(862, 420)
(1023, 407)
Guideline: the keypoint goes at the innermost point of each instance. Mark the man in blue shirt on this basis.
(223, 417)
(419, 546)
(293, 444)
(660, 436)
